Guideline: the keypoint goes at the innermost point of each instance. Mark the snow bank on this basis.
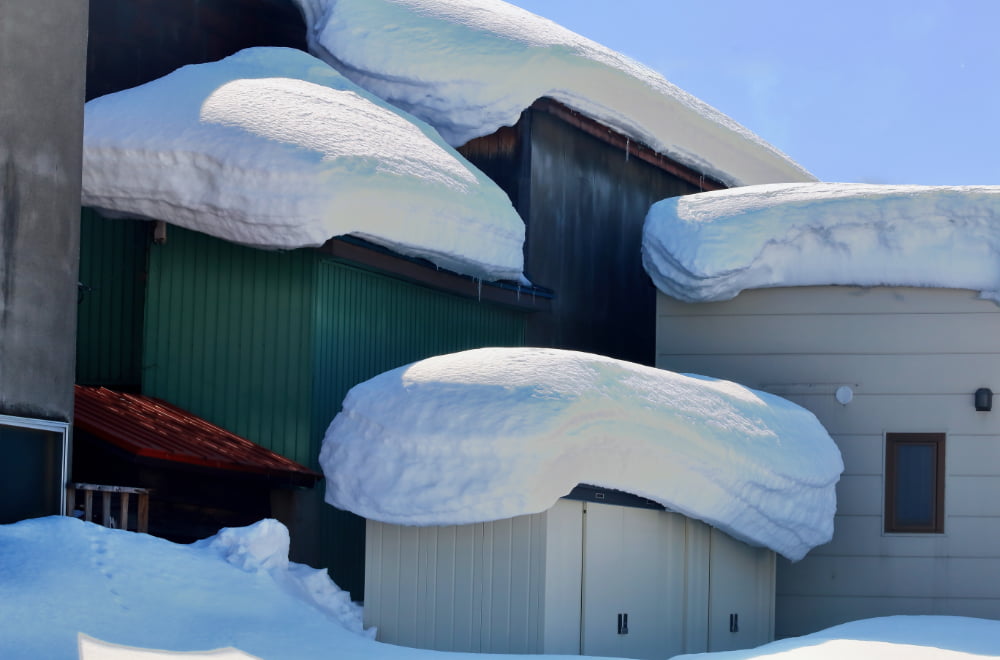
(711, 246)
(500, 432)
(95, 649)
(909, 637)
(264, 546)
(468, 67)
(272, 148)
(61, 577)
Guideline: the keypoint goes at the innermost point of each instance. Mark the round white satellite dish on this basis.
(844, 395)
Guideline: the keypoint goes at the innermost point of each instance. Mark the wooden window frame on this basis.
(892, 442)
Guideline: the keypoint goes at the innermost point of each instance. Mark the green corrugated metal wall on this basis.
(228, 336)
(267, 344)
(366, 324)
(109, 314)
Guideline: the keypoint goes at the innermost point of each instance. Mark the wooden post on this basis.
(143, 521)
(88, 505)
(70, 499)
(106, 509)
(123, 510)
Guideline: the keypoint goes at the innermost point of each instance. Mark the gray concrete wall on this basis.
(43, 48)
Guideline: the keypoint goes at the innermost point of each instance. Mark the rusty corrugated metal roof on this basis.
(151, 428)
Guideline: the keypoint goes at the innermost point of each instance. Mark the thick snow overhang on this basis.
(711, 246)
(272, 148)
(499, 432)
(152, 429)
(468, 67)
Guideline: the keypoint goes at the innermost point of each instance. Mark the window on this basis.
(914, 482)
(34, 467)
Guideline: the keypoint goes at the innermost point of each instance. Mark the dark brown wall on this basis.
(584, 203)
(135, 41)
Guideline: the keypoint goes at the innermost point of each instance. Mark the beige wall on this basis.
(553, 583)
(913, 357)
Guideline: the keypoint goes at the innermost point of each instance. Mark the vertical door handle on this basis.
(623, 623)
(734, 622)
(619, 623)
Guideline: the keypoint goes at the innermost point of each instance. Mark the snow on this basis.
(67, 585)
(500, 432)
(883, 638)
(468, 67)
(272, 148)
(60, 577)
(711, 246)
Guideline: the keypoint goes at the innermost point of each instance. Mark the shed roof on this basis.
(151, 428)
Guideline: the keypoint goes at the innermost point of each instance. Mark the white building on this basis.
(869, 306)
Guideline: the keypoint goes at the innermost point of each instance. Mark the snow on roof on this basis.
(468, 67)
(272, 148)
(499, 432)
(711, 246)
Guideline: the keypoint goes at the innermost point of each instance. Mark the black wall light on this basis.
(984, 399)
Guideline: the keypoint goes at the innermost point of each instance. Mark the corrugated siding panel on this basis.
(109, 315)
(368, 323)
(228, 338)
(456, 588)
(913, 357)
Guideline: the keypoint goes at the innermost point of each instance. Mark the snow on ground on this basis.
(272, 148)
(499, 432)
(885, 638)
(61, 578)
(468, 67)
(711, 246)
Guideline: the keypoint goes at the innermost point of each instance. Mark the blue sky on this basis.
(881, 91)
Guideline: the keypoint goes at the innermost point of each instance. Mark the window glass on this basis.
(914, 482)
(31, 473)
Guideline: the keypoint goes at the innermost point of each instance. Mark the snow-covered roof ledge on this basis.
(468, 67)
(272, 148)
(711, 246)
(499, 432)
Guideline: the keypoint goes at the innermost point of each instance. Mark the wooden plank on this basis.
(106, 509)
(88, 505)
(123, 510)
(143, 523)
(99, 488)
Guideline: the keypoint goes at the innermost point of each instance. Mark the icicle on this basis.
(626, 149)
(479, 288)
(701, 183)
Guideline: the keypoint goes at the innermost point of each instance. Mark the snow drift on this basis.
(711, 246)
(60, 577)
(911, 637)
(468, 67)
(272, 148)
(500, 432)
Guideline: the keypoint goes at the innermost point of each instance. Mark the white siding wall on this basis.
(913, 357)
(553, 582)
(458, 588)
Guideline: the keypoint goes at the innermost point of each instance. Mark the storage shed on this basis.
(459, 463)
(875, 308)
(627, 579)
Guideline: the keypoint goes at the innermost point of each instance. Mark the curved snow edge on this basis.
(496, 433)
(711, 246)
